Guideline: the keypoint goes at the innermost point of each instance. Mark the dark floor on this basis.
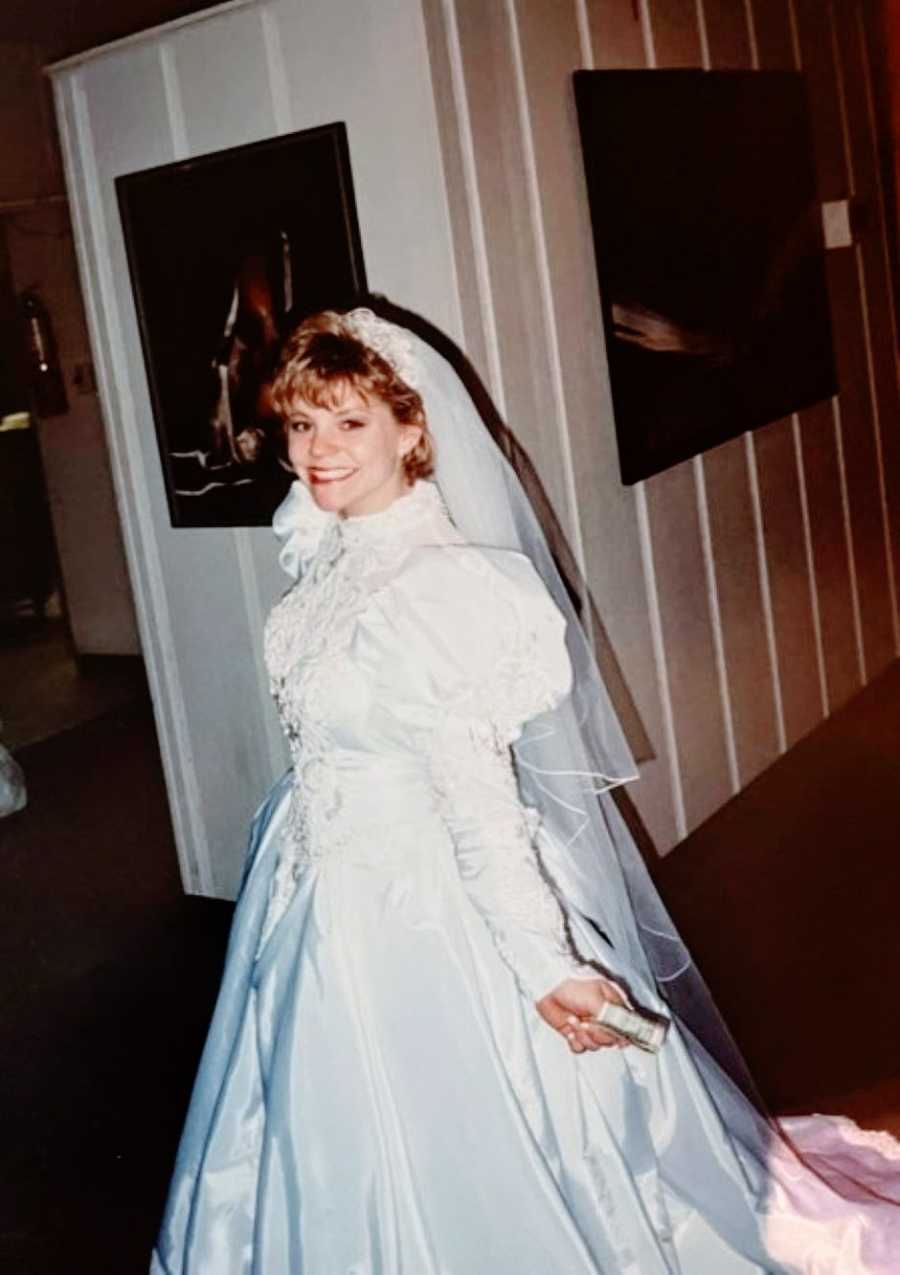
(789, 898)
(45, 689)
(107, 973)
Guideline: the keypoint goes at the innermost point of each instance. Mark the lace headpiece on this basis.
(392, 343)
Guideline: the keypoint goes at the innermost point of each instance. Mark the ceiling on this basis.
(63, 27)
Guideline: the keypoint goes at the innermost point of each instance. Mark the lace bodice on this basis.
(404, 663)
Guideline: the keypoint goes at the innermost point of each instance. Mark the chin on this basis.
(333, 497)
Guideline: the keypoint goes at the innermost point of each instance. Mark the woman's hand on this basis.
(568, 1006)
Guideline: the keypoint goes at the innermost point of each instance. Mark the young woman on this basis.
(405, 1074)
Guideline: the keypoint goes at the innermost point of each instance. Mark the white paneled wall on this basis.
(751, 591)
(238, 73)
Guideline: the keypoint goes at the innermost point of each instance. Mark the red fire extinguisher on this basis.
(47, 383)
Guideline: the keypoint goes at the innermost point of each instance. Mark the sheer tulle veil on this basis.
(569, 759)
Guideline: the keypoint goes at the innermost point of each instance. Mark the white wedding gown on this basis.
(378, 1095)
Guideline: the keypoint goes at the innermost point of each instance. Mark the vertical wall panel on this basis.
(860, 462)
(791, 582)
(529, 405)
(748, 664)
(674, 31)
(877, 328)
(822, 466)
(774, 41)
(817, 63)
(208, 56)
(727, 35)
(615, 33)
(89, 102)
(195, 59)
(457, 181)
(366, 62)
(199, 567)
(749, 670)
(690, 650)
(792, 612)
(823, 486)
(550, 47)
(691, 654)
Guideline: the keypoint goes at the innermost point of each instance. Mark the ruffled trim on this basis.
(299, 524)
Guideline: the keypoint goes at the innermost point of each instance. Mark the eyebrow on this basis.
(361, 410)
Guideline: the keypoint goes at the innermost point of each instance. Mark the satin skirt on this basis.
(376, 1097)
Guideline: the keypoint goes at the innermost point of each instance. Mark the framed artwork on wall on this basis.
(227, 252)
(710, 257)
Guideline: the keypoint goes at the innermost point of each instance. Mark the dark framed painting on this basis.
(227, 252)
(710, 256)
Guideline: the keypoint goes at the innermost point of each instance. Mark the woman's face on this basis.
(349, 455)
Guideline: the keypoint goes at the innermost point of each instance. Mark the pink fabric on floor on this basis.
(853, 1229)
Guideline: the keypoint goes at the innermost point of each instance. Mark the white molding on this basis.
(795, 35)
(647, 34)
(151, 605)
(256, 619)
(140, 37)
(765, 589)
(879, 453)
(751, 34)
(703, 34)
(657, 638)
(810, 564)
(867, 339)
(542, 262)
(585, 40)
(848, 538)
(842, 103)
(174, 102)
(476, 215)
(276, 71)
(889, 279)
(715, 615)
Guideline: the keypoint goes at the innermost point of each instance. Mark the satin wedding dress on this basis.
(378, 1095)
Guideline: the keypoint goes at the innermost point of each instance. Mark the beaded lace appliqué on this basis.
(306, 641)
(475, 784)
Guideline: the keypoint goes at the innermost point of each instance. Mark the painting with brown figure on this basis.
(227, 252)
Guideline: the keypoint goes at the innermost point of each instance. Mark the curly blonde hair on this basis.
(322, 359)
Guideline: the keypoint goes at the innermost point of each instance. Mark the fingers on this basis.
(582, 1035)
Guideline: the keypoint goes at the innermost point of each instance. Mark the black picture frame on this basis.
(227, 252)
(710, 257)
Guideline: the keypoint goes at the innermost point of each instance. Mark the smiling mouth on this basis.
(329, 475)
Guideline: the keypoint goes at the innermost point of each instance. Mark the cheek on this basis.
(296, 447)
(376, 448)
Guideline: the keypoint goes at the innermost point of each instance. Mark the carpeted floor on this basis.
(107, 972)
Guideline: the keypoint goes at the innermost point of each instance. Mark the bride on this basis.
(405, 1074)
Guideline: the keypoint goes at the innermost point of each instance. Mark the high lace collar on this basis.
(303, 527)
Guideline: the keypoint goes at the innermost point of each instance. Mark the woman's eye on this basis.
(352, 424)
(299, 427)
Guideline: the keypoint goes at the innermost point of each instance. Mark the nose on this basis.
(318, 444)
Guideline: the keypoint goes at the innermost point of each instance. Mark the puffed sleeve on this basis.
(471, 647)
